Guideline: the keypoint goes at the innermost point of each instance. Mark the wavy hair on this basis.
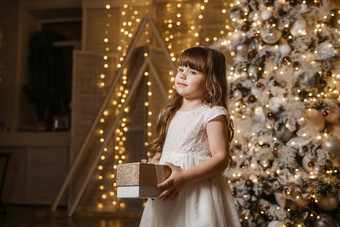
(210, 62)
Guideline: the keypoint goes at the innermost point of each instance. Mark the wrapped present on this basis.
(139, 180)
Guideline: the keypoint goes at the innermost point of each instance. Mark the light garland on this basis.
(177, 26)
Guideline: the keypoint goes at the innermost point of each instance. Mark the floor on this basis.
(38, 216)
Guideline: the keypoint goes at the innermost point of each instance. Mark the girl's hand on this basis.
(173, 185)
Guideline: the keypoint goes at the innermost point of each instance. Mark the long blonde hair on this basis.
(212, 63)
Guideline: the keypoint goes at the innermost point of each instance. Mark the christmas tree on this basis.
(284, 101)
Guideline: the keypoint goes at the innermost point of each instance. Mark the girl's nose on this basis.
(182, 75)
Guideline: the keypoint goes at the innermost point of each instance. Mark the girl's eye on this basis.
(180, 70)
(193, 72)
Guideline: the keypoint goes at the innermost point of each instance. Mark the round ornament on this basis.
(334, 129)
(249, 183)
(252, 98)
(324, 113)
(246, 197)
(266, 14)
(245, 9)
(243, 75)
(303, 8)
(333, 114)
(299, 201)
(325, 220)
(270, 34)
(332, 145)
(317, 170)
(251, 54)
(254, 16)
(309, 80)
(285, 49)
(252, 70)
(241, 50)
(264, 163)
(298, 28)
(237, 94)
(259, 85)
(316, 119)
(285, 33)
(274, 104)
(284, 134)
(286, 60)
(275, 153)
(272, 20)
(274, 224)
(329, 202)
(245, 27)
(271, 115)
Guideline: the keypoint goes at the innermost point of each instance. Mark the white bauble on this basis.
(274, 224)
(285, 49)
(270, 34)
(254, 16)
(244, 75)
(274, 104)
(266, 14)
(252, 70)
(246, 197)
(332, 145)
(252, 177)
(245, 9)
(256, 91)
(235, 36)
(264, 163)
(259, 112)
(298, 28)
(241, 50)
(237, 95)
(303, 8)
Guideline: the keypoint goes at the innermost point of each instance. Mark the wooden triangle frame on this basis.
(147, 63)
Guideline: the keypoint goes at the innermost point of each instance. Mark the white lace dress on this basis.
(205, 203)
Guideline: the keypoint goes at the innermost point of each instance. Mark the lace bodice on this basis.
(187, 136)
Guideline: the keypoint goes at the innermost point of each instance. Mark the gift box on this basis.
(139, 180)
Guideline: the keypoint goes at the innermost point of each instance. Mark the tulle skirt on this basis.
(205, 203)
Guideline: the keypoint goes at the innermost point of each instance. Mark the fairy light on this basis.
(129, 17)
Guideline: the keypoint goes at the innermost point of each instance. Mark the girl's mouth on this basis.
(181, 84)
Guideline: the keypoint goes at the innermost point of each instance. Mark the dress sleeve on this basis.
(215, 112)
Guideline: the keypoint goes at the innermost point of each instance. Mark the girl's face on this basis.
(190, 83)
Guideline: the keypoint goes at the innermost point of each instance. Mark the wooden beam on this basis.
(108, 136)
(98, 116)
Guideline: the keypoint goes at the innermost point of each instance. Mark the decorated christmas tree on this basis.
(284, 101)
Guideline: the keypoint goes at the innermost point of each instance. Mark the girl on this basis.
(194, 134)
